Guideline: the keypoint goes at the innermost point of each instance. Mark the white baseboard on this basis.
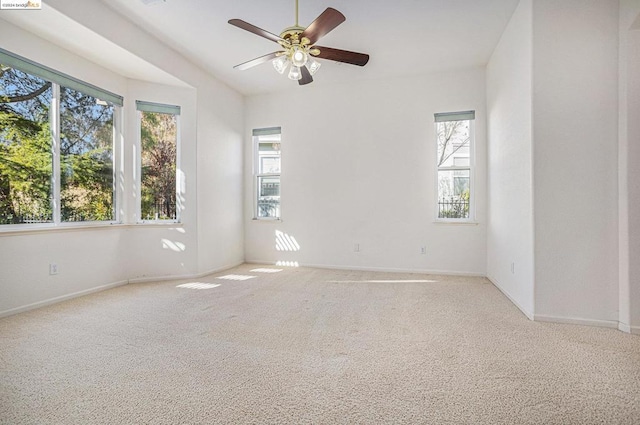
(578, 321)
(635, 330)
(377, 269)
(148, 279)
(524, 311)
(100, 288)
(61, 298)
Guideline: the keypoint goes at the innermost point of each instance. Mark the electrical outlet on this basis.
(513, 268)
(356, 247)
(423, 250)
(53, 268)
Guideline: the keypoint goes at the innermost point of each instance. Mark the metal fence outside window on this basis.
(453, 208)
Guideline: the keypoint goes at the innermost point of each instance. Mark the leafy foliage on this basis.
(158, 188)
(26, 170)
(454, 206)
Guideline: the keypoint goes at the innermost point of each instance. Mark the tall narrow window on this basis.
(454, 140)
(25, 148)
(267, 168)
(86, 157)
(56, 146)
(159, 132)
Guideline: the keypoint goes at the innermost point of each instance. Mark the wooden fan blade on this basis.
(306, 76)
(257, 31)
(345, 56)
(326, 22)
(257, 61)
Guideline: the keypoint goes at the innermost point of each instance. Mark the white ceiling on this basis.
(403, 37)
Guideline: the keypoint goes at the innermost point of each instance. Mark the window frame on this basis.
(257, 133)
(145, 106)
(447, 117)
(58, 80)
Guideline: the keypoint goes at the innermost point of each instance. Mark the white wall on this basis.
(86, 258)
(629, 165)
(509, 139)
(358, 168)
(211, 127)
(575, 125)
(220, 128)
(220, 178)
(163, 250)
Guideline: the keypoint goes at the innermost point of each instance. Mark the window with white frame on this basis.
(267, 168)
(455, 165)
(158, 161)
(56, 146)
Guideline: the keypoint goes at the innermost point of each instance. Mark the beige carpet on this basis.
(311, 346)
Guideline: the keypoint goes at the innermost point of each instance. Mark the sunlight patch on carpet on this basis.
(287, 264)
(198, 285)
(236, 277)
(266, 270)
(384, 281)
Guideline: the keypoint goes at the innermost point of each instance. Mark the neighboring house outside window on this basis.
(267, 168)
(455, 165)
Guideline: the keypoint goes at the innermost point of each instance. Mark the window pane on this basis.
(159, 135)
(453, 194)
(269, 197)
(86, 157)
(453, 138)
(269, 155)
(25, 148)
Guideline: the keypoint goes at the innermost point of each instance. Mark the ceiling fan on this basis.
(299, 48)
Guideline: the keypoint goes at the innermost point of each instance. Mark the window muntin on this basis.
(159, 132)
(454, 141)
(267, 167)
(35, 185)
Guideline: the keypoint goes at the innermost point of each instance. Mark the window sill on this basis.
(29, 229)
(32, 229)
(159, 223)
(457, 223)
(266, 220)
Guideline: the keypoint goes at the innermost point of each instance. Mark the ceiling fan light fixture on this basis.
(280, 63)
(298, 56)
(294, 73)
(298, 50)
(313, 65)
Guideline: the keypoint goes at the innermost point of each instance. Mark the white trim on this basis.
(524, 311)
(101, 288)
(43, 228)
(184, 276)
(117, 153)
(61, 298)
(577, 321)
(376, 269)
(634, 330)
(472, 173)
(455, 221)
(137, 171)
(54, 123)
(255, 145)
